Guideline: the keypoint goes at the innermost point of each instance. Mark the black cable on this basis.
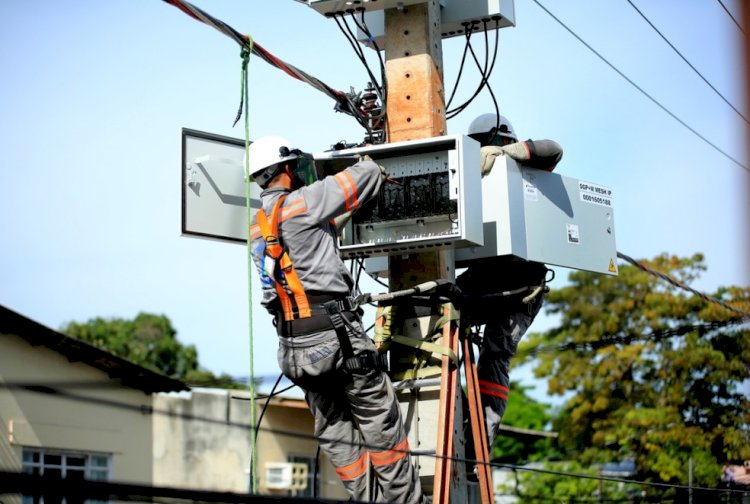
(482, 71)
(469, 30)
(485, 73)
(374, 276)
(315, 472)
(627, 339)
(352, 39)
(462, 460)
(380, 121)
(361, 266)
(687, 62)
(731, 16)
(383, 77)
(632, 83)
(268, 400)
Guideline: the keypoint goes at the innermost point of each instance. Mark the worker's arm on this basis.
(540, 154)
(345, 192)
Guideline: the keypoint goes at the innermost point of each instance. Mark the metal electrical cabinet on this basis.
(433, 199)
(545, 217)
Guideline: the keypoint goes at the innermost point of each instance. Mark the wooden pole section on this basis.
(416, 109)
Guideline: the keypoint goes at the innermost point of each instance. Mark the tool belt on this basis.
(319, 320)
(329, 312)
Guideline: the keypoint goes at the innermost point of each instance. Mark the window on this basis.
(313, 478)
(62, 464)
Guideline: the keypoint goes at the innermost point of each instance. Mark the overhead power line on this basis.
(632, 83)
(731, 16)
(673, 281)
(214, 497)
(344, 102)
(686, 61)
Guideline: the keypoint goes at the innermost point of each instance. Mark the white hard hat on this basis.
(267, 152)
(488, 123)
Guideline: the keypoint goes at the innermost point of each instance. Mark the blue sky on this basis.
(94, 96)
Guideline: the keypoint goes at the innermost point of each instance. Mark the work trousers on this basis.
(499, 345)
(357, 416)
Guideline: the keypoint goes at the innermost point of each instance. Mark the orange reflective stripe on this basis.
(296, 207)
(346, 182)
(493, 389)
(390, 456)
(254, 231)
(353, 470)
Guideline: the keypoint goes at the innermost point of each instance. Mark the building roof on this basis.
(129, 374)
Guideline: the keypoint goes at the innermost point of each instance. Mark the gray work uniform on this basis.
(357, 416)
(506, 318)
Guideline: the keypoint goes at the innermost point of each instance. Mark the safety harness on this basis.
(294, 303)
(305, 313)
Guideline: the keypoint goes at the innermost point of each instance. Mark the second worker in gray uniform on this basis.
(322, 346)
(503, 293)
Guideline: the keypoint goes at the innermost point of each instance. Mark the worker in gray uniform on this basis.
(322, 345)
(503, 293)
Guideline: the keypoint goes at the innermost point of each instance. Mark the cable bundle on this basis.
(344, 102)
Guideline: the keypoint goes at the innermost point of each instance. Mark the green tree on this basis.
(526, 413)
(652, 372)
(150, 341)
(543, 483)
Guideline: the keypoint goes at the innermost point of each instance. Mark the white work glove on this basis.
(341, 220)
(487, 156)
(383, 170)
(518, 150)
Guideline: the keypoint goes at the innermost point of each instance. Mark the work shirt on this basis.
(307, 230)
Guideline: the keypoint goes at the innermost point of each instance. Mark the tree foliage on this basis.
(527, 413)
(652, 372)
(544, 483)
(150, 341)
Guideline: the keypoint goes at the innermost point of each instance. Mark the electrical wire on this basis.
(358, 50)
(460, 67)
(265, 406)
(686, 61)
(381, 119)
(362, 25)
(485, 70)
(344, 103)
(673, 281)
(380, 89)
(731, 16)
(636, 86)
(142, 409)
(609, 340)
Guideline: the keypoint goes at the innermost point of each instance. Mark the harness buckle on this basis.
(366, 361)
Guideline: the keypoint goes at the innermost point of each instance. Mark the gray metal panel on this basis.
(342, 6)
(545, 217)
(453, 15)
(457, 12)
(213, 187)
(445, 154)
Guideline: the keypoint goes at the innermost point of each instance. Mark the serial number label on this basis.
(595, 194)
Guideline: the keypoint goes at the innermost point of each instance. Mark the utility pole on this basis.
(415, 109)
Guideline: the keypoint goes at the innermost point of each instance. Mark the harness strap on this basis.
(363, 361)
(426, 346)
(291, 294)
